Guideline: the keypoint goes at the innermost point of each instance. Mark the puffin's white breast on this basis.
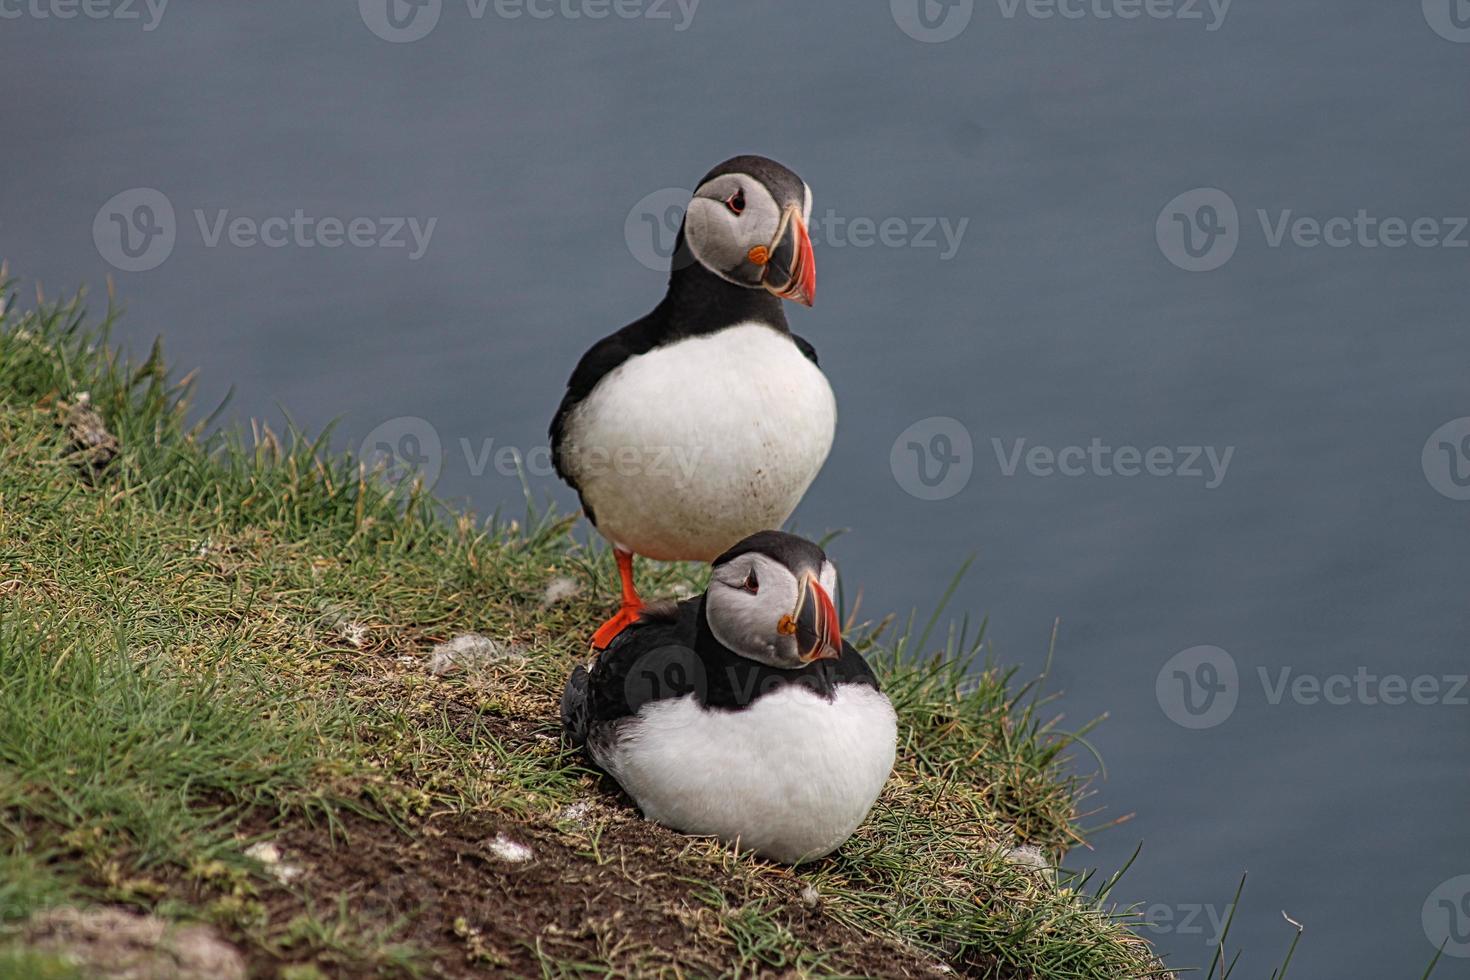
(791, 776)
(685, 450)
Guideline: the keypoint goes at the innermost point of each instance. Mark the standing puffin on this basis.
(742, 713)
(706, 420)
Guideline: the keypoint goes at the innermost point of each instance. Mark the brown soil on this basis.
(480, 914)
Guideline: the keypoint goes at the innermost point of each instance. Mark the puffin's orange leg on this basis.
(628, 612)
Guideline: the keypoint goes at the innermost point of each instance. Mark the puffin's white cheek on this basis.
(707, 229)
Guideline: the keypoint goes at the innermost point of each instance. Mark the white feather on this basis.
(790, 777)
(685, 450)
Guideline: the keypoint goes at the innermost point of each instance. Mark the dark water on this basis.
(1333, 545)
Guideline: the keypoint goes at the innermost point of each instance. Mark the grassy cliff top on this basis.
(226, 698)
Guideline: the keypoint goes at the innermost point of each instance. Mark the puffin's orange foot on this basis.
(626, 616)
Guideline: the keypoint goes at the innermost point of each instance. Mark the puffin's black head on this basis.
(747, 223)
(770, 600)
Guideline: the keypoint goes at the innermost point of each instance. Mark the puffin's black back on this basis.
(672, 653)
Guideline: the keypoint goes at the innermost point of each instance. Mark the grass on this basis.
(212, 638)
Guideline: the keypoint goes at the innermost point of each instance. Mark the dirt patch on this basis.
(118, 944)
(485, 895)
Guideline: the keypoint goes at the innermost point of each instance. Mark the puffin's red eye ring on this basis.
(736, 202)
(750, 584)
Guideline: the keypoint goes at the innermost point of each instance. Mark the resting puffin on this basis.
(742, 713)
(706, 420)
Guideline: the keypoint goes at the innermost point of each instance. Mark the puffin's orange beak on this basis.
(818, 633)
(791, 267)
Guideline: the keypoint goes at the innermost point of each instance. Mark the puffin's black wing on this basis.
(651, 660)
(851, 668)
(806, 349)
(574, 707)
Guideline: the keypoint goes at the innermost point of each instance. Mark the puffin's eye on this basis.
(751, 584)
(736, 202)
